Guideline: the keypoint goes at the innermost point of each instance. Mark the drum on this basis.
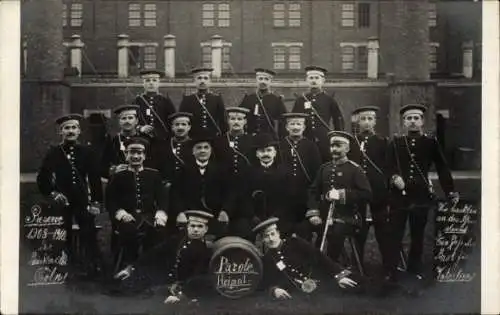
(235, 267)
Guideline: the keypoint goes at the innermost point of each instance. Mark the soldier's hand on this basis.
(347, 282)
(181, 218)
(94, 209)
(333, 194)
(315, 220)
(223, 217)
(122, 215)
(454, 197)
(60, 198)
(281, 294)
(120, 168)
(124, 273)
(171, 299)
(161, 218)
(398, 182)
(146, 129)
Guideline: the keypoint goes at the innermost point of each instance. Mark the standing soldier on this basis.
(264, 106)
(341, 184)
(202, 185)
(292, 265)
(114, 156)
(70, 175)
(412, 194)
(370, 152)
(181, 263)
(267, 183)
(233, 151)
(154, 108)
(301, 160)
(321, 109)
(136, 199)
(207, 108)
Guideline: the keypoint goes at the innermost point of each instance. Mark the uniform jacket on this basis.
(141, 194)
(270, 104)
(71, 168)
(173, 155)
(211, 123)
(347, 176)
(411, 157)
(154, 110)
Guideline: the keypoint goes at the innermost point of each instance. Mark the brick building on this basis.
(377, 52)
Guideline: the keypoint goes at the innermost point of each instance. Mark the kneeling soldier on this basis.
(294, 265)
(180, 263)
(137, 200)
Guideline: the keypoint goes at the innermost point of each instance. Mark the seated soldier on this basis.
(292, 265)
(181, 264)
(136, 199)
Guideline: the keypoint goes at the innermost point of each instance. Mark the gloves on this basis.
(146, 129)
(172, 299)
(59, 198)
(94, 208)
(181, 218)
(315, 220)
(281, 294)
(398, 182)
(333, 194)
(122, 215)
(161, 218)
(223, 217)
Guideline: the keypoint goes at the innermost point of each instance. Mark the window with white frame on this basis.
(216, 14)
(354, 57)
(142, 15)
(432, 14)
(142, 56)
(287, 14)
(73, 12)
(347, 15)
(287, 56)
(206, 55)
(433, 56)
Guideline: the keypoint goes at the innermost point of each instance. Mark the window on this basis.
(206, 55)
(433, 57)
(432, 14)
(287, 56)
(141, 15)
(354, 57)
(215, 15)
(347, 15)
(363, 15)
(75, 15)
(142, 56)
(287, 14)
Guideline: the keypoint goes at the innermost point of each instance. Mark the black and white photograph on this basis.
(250, 157)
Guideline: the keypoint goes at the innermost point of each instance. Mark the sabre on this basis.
(328, 219)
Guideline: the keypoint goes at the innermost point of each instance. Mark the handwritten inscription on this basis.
(46, 237)
(454, 242)
(235, 275)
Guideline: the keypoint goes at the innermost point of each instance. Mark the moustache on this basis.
(72, 134)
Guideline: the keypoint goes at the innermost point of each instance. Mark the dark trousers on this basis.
(418, 221)
(87, 237)
(134, 234)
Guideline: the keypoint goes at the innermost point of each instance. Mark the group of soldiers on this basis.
(172, 175)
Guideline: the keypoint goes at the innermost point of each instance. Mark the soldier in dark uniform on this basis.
(234, 152)
(301, 160)
(292, 265)
(137, 200)
(370, 152)
(321, 109)
(180, 263)
(410, 158)
(114, 156)
(264, 106)
(207, 108)
(266, 183)
(202, 185)
(343, 183)
(154, 108)
(70, 175)
(177, 152)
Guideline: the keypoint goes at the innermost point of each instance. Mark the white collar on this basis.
(267, 165)
(202, 164)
